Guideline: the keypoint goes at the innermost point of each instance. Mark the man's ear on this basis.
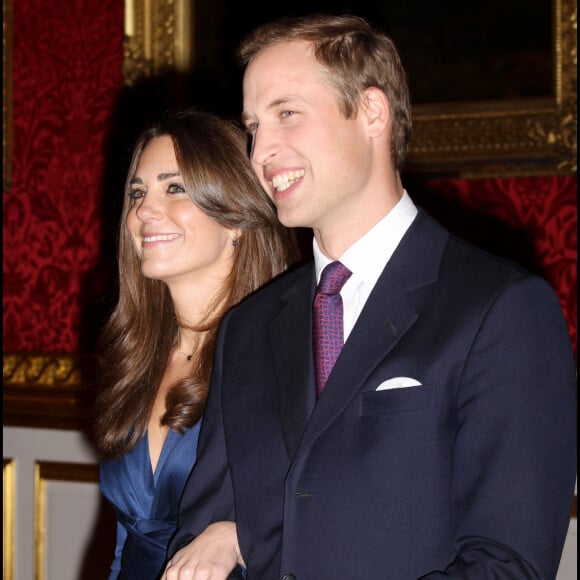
(375, 107)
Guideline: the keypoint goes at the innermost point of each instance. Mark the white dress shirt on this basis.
(367, 258)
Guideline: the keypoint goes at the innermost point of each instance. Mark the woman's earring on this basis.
(235, 240)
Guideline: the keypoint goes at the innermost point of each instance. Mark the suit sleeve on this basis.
(514, 461)
(208, 494)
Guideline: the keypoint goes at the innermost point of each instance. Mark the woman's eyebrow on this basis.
(164, 176)
(160, 177)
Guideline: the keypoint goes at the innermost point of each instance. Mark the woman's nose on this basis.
(147, 208)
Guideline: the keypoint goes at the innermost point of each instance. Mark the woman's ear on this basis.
(375, 107)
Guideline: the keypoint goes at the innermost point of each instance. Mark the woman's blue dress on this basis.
(147, 503)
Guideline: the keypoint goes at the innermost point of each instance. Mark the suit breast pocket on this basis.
(393, 401)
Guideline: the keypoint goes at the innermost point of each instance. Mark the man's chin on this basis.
(290, 220)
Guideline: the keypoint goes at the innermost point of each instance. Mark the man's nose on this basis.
(265, 144)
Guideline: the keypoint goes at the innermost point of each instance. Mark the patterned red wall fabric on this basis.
(67, 70)
(67, 62)
(530, 220)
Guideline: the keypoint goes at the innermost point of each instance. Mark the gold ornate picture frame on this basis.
(158, 37)
(521, 137)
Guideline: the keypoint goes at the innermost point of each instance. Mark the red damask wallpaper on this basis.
(67, 70)
(58, 220)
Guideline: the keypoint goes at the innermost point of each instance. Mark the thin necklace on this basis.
(189, 356)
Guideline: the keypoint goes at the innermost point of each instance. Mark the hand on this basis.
(210, 556)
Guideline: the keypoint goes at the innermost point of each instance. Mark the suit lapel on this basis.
(392, 308)
(289, 332)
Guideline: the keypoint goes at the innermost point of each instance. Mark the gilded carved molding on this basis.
(566, 134)
(46, 390)
(24, 370)
(157, 37)
(8, 517)
(499, 139)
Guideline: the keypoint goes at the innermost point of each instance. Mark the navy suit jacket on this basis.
(469, 475)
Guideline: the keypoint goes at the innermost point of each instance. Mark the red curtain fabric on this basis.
(67, 70)
(67, 74)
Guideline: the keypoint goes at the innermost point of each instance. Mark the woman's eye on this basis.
(176, 188)
(136, 194)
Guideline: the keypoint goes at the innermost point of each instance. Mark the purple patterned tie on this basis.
(328, 329)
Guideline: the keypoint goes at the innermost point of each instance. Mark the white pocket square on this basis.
(398, 383)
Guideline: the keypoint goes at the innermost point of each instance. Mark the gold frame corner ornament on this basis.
(522, 137)
(157, 38)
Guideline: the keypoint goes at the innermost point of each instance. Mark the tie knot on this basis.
(333, 278)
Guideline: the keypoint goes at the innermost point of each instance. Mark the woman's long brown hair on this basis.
(137, 340)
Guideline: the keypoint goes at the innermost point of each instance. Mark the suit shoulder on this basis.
(476, 261)
(477, 271)
(293, 280)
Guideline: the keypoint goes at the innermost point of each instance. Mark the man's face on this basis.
(314, 163)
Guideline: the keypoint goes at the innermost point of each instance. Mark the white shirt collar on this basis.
(368, 256)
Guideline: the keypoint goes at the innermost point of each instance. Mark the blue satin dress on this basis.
(147, 503)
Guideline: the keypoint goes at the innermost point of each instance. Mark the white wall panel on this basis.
(78, 534)
(66, 503)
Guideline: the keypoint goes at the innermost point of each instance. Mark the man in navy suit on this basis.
(443, 443)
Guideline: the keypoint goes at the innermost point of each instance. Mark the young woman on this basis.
(197, 235)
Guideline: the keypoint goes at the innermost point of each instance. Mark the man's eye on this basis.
(287, 114)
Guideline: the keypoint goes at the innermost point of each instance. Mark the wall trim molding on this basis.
(8, 516)
(53, 391)
(45, 471)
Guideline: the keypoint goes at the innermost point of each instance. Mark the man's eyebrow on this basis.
(281, 101)
(247, 117)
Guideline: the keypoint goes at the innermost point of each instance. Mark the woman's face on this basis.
(176, 241)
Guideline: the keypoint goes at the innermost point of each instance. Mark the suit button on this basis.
(288, 577)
